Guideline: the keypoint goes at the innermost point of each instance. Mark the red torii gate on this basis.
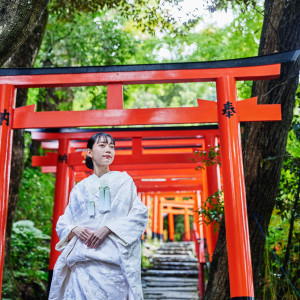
(227, 112)
(186, 208)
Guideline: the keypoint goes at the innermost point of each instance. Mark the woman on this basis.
(100, 233)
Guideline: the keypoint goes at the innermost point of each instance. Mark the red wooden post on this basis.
(187, 225)
(213, 185)
(154, 216)
(197, 220)
(114, 96)
(171, 226)
(143, 199)
(236, 220)
(142, 196)
(71, 179)
(160, 221)
(206, 231)
(7, 100)
(61, 196)
(201, 252)
(196, 213)
(147, 203)
(71, 175)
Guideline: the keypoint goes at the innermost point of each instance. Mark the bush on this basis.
(30, 250)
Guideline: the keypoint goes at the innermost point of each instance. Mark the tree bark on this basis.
(17, 20)
(23, 57)
(280, 33)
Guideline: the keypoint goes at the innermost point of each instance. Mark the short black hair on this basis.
(94, 139)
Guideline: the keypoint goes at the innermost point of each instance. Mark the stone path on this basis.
(174, 274)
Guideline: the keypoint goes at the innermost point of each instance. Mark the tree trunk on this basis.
(17, 20)
(280, 33)
(23, 57)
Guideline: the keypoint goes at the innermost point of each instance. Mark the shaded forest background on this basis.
(90, 33)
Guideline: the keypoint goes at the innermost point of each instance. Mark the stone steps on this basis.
(169, 281)
(163, 273)
(170, 295)
(175, 266)
(174, 274)
(169, 258)
(175, 252)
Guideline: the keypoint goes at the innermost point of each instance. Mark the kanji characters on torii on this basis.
(224, 73)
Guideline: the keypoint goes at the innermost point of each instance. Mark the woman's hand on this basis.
(97, 237)
(82, 233)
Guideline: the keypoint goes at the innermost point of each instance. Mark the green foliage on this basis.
(293, 142)
(283, 236)
(277, 241)
(290, 172)
(179, 229)
(29, 256)
(288, 185)
(27, 142)
(146, 263)
(97, 39)
(213, 210)
(210, 157)
(148, 249)
(239, 39)
(167, 95)
(30, 243)
(36, 199)
(240, 4)
(206, 43)
(148, 16)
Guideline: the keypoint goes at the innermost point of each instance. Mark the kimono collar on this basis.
(94, 182)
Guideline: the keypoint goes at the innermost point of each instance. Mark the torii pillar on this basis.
(213, 185)
(7, 102)
(171, 226)
(187, 229)
(235, 206)
(60, 198)
(197, 206)
(142, 196)
(160, 222)
(206, 232)
(71, 175)
(147, 203)
(154, 217)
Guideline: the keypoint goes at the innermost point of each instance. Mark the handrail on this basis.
(199, 248)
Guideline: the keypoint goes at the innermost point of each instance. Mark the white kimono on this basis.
(113, 270)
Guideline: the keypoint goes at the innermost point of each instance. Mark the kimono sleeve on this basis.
(65, 222)
(130, 228)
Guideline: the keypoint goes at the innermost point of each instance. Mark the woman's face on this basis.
(103, 152)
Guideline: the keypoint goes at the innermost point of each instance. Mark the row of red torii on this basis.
(178, 169)
(227, 112)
